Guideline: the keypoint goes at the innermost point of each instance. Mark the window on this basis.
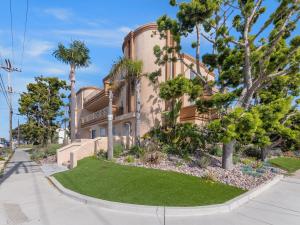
(114, 131)
(102, 132)
(192, 75)
(93, 134)
(126, 129)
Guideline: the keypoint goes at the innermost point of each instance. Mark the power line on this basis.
(11, 30)
(10, 69)
(25, 31)
(3, 90)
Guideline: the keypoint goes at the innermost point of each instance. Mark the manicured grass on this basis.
(289, 164)
(128, 184)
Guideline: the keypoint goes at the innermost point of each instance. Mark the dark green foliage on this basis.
(128, 184)
(203, 162)
(40, 152)
(182, 139)
(253, 152)
(216, 150)
(118, 150)
(42, 105)
(77, 55)
(257, 67)
(177, 87)
(137, 151)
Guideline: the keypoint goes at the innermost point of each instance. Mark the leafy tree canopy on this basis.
(41, 104)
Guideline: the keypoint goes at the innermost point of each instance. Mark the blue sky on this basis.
(102, 25)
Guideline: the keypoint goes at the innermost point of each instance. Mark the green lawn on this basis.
(128, 184)
(289, 164)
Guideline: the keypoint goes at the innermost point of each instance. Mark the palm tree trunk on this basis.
(228, 148)
(138, 112)
(73, 103)
(110, 150)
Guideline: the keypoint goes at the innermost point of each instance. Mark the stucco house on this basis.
(92, 102)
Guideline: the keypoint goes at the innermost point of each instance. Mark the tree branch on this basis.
(256, 7)
(208, 39)
(281, 73)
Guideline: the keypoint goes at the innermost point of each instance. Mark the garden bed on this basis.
(130, 184)
(44, 155)
(5, 155)
(246, 175)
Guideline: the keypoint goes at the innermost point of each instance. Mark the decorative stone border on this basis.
(167, 211)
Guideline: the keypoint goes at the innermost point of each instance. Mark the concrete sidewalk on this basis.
(26, 197)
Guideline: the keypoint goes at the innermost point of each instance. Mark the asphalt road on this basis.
(26, 197)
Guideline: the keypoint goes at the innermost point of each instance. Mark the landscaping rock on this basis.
(242, 176)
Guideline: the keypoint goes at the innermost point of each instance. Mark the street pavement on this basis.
(27, 197)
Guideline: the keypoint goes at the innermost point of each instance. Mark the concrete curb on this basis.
(167, 211)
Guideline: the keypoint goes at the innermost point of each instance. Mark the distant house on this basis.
(62, 134)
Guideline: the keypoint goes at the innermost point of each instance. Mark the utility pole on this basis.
(110, 153)
(18, 132)
(10, 69)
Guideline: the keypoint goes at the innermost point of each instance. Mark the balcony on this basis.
(91, 95)
(96, 117)
(190, 114)
(96, 101)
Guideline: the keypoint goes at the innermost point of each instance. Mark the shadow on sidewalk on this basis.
(18, 168)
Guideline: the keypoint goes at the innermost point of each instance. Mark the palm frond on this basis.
(77, 54)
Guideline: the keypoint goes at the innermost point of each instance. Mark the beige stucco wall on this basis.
(151, 104)
(81, 111)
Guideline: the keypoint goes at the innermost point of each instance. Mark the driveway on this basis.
(26, 197)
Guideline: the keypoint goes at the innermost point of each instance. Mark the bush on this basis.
(118, 150)
(247, 161)
(38, 152)
(203, 162)
(153, 157)
(38, 155)
(182, 139)
(236, 159)
(2, 159)
(51, 149)
(209, 176)
(137, 151)
(101, 154)
(216, 150)
(253, 152)
(130, 159)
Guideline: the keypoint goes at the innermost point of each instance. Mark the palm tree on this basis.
(77, 56)
(131, 71)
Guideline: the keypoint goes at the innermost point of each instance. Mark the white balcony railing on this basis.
(96, 115)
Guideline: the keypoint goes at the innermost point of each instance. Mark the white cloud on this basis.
(59, 13)
(5, 52)
(125, 29)
(105, 37)
(36, 48)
